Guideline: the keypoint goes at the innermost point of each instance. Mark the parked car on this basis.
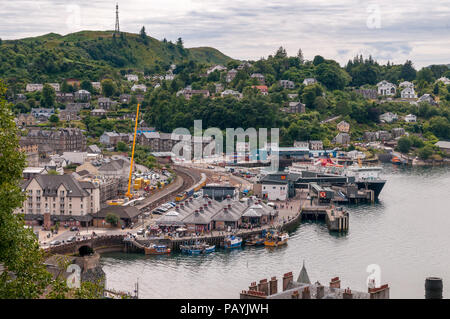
(55, 243)
(141, 231)
(74, 228)
(71, 239)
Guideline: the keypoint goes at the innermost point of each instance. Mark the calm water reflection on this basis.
(406, 234)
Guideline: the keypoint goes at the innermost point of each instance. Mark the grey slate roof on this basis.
(51, 183)
(125, 212)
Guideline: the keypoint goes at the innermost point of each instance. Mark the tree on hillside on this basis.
(281, 53)
(318, 60)
(108, 87)
(300, 56)
(408, 73)
(425, 75)
(143, 35)
(87, 85)
(332, 76)
(24, 274)
(48, 96)
(404, 144)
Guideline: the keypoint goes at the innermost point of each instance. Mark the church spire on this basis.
(303, 277)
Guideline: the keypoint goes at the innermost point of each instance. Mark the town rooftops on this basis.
(123, 212)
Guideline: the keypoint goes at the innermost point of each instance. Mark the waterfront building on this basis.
(61, 198)
(277, 186)
(204, 214)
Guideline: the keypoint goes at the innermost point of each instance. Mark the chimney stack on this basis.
(263, 286)
(253, 287)
(306, 293)
(380, 292)
(273, 285)
(433, 288)
(295, 295)
(335, 283)
(287, 279)
(320, 291)
(347, 294)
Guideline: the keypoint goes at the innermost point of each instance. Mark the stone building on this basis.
(342, 138)
(286, 84)
(294, 107)
(60, 140)
(26, 120)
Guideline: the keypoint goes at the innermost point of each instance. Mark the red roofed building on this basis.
(263, 89)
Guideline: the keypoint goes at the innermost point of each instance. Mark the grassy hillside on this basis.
(93, 54)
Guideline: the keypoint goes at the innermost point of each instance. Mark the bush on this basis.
(112, 219)
(404, 144)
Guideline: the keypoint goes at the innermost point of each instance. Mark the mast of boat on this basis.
(136, 288)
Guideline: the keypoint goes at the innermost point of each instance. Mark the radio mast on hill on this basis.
(117, 29)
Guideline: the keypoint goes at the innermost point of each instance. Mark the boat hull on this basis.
(376, 186)
(153, 251)
(233, 243)
(271, 243)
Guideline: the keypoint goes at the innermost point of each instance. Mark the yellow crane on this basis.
(128, 194)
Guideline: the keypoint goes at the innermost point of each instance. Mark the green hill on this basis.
(94, 54)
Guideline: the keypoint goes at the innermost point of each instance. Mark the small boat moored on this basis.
(197, 248)
(232, 242)
(157, 250)
(255, 241)
(275, 238)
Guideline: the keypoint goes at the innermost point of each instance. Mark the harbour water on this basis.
(406, 234)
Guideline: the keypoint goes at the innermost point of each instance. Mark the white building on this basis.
(55, 86)
(275, 190)
(388, 117)
(34, 87)
(232, 93)
(406, 84)
(386, 88)
(410, 118)
(132, 77)
(97, 85)
(216, 68)
(408, 93)
(140, 87)
(444, 80)
(309, 81)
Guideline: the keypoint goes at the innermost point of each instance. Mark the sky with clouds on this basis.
(250, 29)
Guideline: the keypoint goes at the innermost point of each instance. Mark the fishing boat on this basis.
(276, 238)
(157, 250)
(255, 241)
(232, 242)
(197, 248)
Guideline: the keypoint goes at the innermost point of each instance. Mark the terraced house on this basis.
(60, 140)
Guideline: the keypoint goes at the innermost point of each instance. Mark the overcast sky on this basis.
(250, 29)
